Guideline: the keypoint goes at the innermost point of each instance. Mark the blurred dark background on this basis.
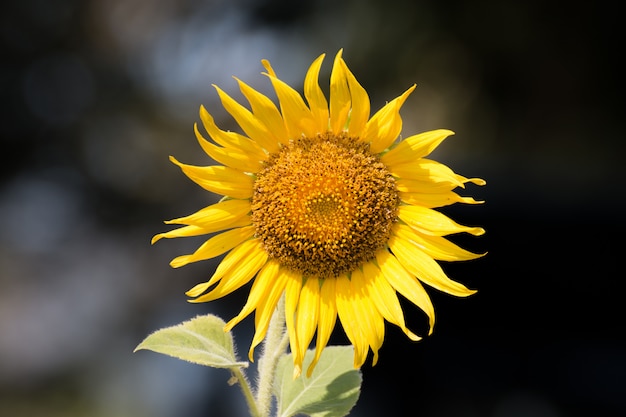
(96, 94)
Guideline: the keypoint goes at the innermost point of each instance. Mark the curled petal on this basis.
(385, 126)
(432, 222)
(219, 179)
(315, 96)
(266, 112)
(425, 268)
(297, 116)
(340, 100)
(415, 147)
(215, 246)
(406, 284)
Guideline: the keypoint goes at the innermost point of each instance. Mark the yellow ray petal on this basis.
(326, 321)
(425, 268)
(437, 199)
(265, 310)
(254, 128)
(436, 247)
(307, 313)
(217, 216)
(432, 222)
(315, 96)
(231, 157)
(339, 96)
(385, 126)
(266, 112)
(360, 111)
(231, 261)
(185, 231)
(350, 320)
(297, 116)
(260, 290)
(415, 147)
(292, 296)
(428, 170)
(371, 322)
(215, 246)
(231, 139)
(385, 299)
(219, 179)
(238, 276)
(406, 284)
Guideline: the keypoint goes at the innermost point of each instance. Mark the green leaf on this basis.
(201, 340)
(331, 391)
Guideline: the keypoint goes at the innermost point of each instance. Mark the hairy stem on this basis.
(274, 346)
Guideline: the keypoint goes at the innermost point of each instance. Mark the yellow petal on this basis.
(315, 96)
(236, 277)
(360, 111)
(265, 310)
(427, 170)
(406, 284)
(415, 147)
(436, 199)
(232, 260)
(385, 299)
(432, 222)
(266, 112)
(385, 126)
(231, 157)
(326, 321)
(292, 296)
(219, 179)
(371, 323)
(218, 216)
(260, 290)
(254, 128)
(425, 268)
(339, 97)
(297, 116)
(185, 231)
(215, 246)
(307, 313)
(436, 247)
(230, 139)
(350, 321)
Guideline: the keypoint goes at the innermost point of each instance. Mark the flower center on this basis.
(323, 206)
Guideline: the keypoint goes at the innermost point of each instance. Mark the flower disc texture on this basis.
(323, 203)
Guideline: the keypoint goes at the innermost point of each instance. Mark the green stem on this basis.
(247, 392)
(274, 346)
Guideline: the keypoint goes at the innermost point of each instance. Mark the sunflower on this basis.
(323, 204)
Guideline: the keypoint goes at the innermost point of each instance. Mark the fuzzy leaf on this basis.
(331, 391)
(201, 340)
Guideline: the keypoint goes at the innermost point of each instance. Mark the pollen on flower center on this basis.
(324, 205)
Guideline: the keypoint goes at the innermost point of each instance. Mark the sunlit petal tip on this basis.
(477, 181)
(268, 67)
(412, 336)
(476, 231)
(156, 238)
(175, 161)
(375, 358)
(180, 261)
(197, 290)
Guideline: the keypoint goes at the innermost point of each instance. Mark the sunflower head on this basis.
(322, 204)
